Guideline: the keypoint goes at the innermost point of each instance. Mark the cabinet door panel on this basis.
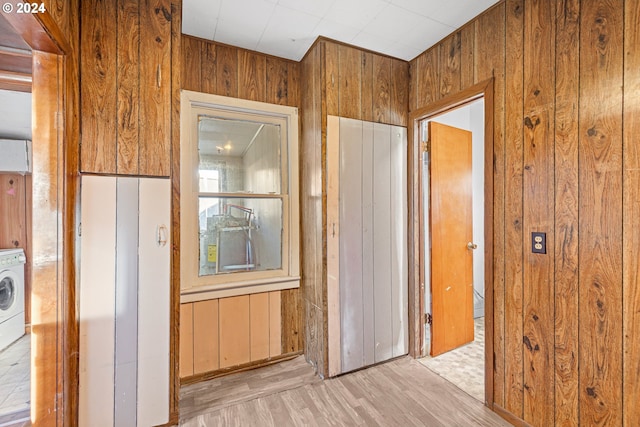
(154, 292)
(97, 301)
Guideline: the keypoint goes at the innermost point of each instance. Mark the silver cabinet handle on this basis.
(162, 233)
(472, 246)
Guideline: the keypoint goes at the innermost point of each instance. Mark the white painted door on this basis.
(124, 301)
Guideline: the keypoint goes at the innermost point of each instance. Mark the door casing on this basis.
(416, 224)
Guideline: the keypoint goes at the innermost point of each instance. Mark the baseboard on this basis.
(508, 416)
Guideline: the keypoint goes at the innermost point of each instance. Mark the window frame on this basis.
(194, 287)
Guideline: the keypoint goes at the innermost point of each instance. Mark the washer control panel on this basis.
(12, 257)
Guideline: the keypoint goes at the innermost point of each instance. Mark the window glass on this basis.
(245, 156)
(239, 234)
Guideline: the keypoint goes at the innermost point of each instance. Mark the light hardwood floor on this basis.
(401, 392)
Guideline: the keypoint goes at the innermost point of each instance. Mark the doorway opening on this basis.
(453, 236)
(479, 302)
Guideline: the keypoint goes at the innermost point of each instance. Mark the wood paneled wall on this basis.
(225, 333)
(345, 81)
(239, 73)
(230, 71)
(566, 163)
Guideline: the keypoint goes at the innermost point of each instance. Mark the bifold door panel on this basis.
(124, 301)
(367, 256)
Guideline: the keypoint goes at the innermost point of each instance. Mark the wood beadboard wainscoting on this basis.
(219, 336)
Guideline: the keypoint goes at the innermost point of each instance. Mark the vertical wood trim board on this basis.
(205, 336)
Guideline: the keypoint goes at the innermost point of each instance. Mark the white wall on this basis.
(15, 115)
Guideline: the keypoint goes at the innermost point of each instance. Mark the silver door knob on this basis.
(472, 246)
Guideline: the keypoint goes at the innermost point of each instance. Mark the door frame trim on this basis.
(484, 90)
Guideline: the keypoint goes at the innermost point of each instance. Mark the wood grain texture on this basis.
(128, 89)
(186, 340)
(449, 64)
(191, 64)
(235, 342)
(349, 82)
(252, 72)
(600, 212)
(206, 355)
(538, 190)
(277, 78)
(155, 87)
(566, 212)
(176, 85)
(205, 69)
(292, 316)
(631, 218)
(489, 59)
(330, 88)
(467, 39)
(227, 71)
(510, 394)
(367, 91)
(98, 87)
(381, 89)
(399, 96)
(427, 78)
(47, 257)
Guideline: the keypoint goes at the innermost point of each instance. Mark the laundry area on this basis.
(15, 260)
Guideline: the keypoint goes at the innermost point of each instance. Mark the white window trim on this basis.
(192, 286)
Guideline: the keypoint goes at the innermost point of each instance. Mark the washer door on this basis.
(8, 292)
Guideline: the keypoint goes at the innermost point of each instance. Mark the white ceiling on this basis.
(287, 28)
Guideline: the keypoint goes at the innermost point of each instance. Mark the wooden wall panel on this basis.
(155, 87)
(330, 88)
(98, 87)
(192, 65)
(399, 87)
(235, 342)
(367, 90)
(489, 62)
(205, 337)
(349, 82)
(239, 73)
(252, 70)
(566, 212)
(128, 59)
(600, 212)
(538, 185)
(449, 64)
(206, 68)
(186, 340)
(510, 395)
(565, 73)
(275, 323)
(226, 71)
(277, 78)
(381, 89)
(259, 325)
(631, 218)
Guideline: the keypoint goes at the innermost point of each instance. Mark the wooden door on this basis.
(451, 231)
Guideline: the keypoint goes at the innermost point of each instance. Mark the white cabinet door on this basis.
(124, 301)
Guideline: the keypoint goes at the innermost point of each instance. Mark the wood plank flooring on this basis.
(401, 392)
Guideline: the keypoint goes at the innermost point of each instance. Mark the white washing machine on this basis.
(11, 295)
